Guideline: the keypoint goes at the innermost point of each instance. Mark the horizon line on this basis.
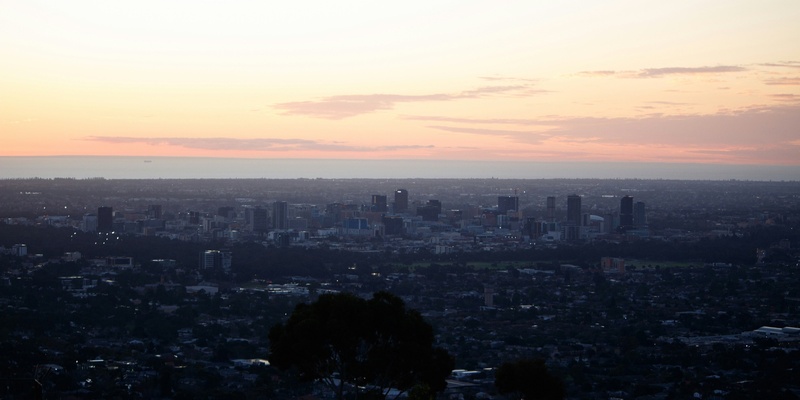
(660, 162)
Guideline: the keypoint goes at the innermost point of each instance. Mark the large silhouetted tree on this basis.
(348, 342)
(528, 379)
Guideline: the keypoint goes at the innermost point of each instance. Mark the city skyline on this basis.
(619, 82)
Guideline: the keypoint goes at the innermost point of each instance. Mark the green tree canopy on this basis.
(528, 379)
(348, 342)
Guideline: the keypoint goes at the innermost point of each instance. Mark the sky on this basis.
(710, 82)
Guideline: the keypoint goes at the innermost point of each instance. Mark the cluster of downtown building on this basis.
(427, 222)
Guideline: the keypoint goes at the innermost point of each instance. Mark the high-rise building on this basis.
(105, 219)
(532, 228)
(400, 201)
(551, 208)
(379, 203)
(280, 215)
(226, 212)
(430, 211)
(154, 211)
(626, 212)
(393, 225)
(215, 259)
(639, 214)
(194, 217)
(506, 204)
(610, 221)
(89, 223)
(256, 219)
(333, 214)
(574, 210)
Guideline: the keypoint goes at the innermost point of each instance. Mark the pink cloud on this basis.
(657, 72)
(783, 64)
(790, 97)
(665, 71)
(240, 144)
(791, 81)
(748, 128)
(344, 106)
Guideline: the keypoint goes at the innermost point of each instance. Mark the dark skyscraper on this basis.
(257, 219)
(400, 201)
(393, 225)
(105, 219)
(226, 212)
(194, 217)
(573, 210)
(154, 211)
(551, 208)
(280, 215)
(532, 228)
(379, 203)
(626, 213)
(639, 215)
(507, 203)
(430, 211)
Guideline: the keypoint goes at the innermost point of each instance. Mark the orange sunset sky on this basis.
(662, 81)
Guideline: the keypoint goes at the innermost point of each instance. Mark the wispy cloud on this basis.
(240, 144)
(661, 72)
(657, 72)
(743, 128)
(510, 121)
(668, 103)
(780, 152)
(486, 90)
(783, 64)
(344, 106)
(785, 97)
(338, 107)
(601, 73)
(506, 78)
(746, 128)
(792, 81)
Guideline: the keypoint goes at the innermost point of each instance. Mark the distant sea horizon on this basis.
(130, 167)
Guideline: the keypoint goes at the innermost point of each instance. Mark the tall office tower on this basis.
(280, 215)
(639, 215)
(194, 217)
(610, 221)
(89, 223)
(574, 210)
(551, 208)
(393, 225)
(436, 204)
(226, 212)
(105, 219)
(333, 214)
(379, 203)
(532, 228)
(506, 204)
(400, 201)
(154, 211)
(430, 211)
(256, 219)
(626, 212)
